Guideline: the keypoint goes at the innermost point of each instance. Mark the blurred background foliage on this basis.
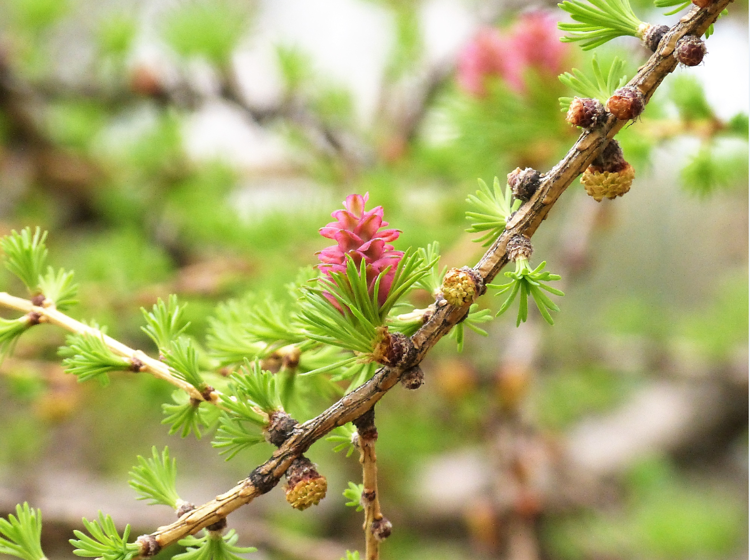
(195, 147)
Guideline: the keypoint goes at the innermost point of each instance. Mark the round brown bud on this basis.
(305, 487)
(585, 112)
(690, 50)
(461, 286)
(412, 378)
(653, 36)
(627, 103)
(703, 3)
(279, 428)
(183, 508)
(524, 182)
(381, 529)
(519, 247)
(218, 527)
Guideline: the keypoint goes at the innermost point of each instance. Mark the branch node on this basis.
(217, 527)
(149, 546)
(136, 365)
(280, 427)
(264, 482)
(413, 378)
(524, 182)
(519, 247)
(381, 529)
(184, 507)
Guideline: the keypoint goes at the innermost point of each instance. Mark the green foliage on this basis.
(184, 415)
(104, 542)
(154, 479)
(474, 136)
(21, 534)
(213, 546)
(59, 288)
(490, 211)
(738, 125)
(665, 517)
(356, 327)
(354, 495)
(25, 256)
(343, 438)
(713, 168)
(598, 21)
(75, 123)
(254, 387)
(433, 280)
(475, 317)
(357, 373)
(408, 45)
(165, 322)
(115, 34)
(182, 360)
(681, 5)
(294, 66)
(351, 555)
(10, 330)
(528, 282)
(719, 328)
(252, 396)
(87, 356)
(686, 92)
(566, 396)
(251, 328)
(599, 87)
(211, 30)
(235, 435)
(333, 104)
(37, 15)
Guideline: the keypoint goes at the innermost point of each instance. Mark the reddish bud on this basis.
(690, 50)
(585, 112)
(627, 103)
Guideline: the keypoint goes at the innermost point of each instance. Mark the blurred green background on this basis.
(195, 147)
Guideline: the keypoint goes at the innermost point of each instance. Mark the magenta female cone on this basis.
(360, 234)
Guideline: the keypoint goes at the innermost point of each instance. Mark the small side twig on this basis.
(145, 363)
(376, 527)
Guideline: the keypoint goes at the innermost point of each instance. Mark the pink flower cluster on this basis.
(532, 42)
(358, 234)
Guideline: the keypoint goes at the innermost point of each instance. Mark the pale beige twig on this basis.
(376, 527)
(49, 314)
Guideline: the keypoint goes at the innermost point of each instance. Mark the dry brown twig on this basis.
(360, 401)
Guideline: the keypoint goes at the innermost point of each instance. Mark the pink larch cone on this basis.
(358, 234)
(531, 43)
